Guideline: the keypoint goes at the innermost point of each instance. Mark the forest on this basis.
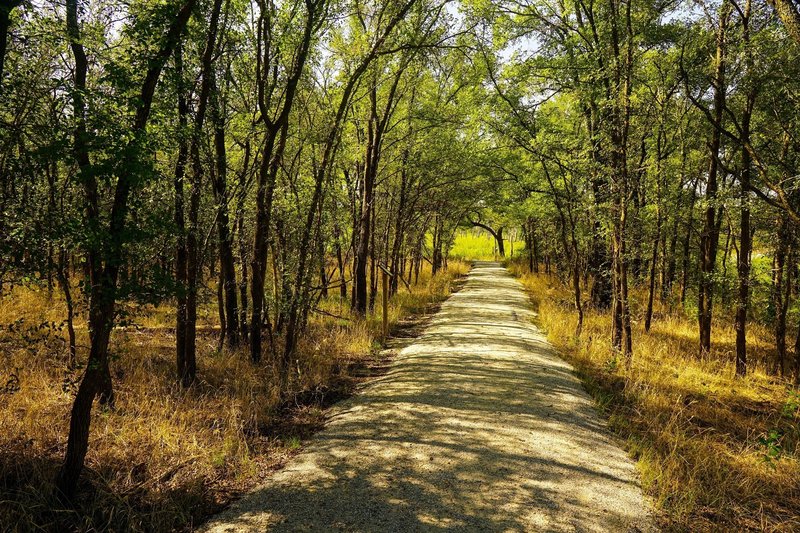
(204, 202)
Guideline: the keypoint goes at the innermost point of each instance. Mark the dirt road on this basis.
(478, 426)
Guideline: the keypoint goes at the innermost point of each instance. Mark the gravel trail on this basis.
(478, 426)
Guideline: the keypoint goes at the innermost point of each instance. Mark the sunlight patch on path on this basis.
(478, 426)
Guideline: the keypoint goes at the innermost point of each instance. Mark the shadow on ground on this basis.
(477, 426)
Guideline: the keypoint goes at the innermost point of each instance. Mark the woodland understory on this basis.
(203, 201)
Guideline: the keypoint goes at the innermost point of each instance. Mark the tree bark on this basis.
(648, 317)
(497, 234)
(62, 274)
(243, 284)
(709, 238)
(193, 258)
(780, 303)
(181, 270)
(687, 241)
(337, 234)
(399, 228)
(745, 236)
(225, 237)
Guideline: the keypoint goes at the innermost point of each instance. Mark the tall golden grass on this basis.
(716, 453)
(164, 458)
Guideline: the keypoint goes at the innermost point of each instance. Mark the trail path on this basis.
(478, 426)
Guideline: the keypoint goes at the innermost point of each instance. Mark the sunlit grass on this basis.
(164, 457)
(477, 244)
(715, 452)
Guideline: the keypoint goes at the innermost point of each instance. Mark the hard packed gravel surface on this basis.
(478, 426)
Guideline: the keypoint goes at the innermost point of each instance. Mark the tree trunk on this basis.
(797, 357)
(669, 275)
(93, 382)
(660, 187)
(709, 238)
(501, 248)
(497, 234)
(97, 378)
(570, 245)
(340, 261)
(193, 258)
(373, 261)
(436, 263)
(181, 270)
(745, 237)
(789, 13)
(780, 303)
(63, 280)
(362, 246)
(648, 317)
(223, 321)
(397, 244)
(272, 153)
(687, 241)
(241, 243)
(528, 232)
(598, 262)
(226, 258)
(264, 195)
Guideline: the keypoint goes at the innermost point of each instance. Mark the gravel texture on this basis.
(478, 426)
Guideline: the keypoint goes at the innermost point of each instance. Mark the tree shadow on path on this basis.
(478, 426)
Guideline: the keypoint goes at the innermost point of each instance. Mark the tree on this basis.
(105, 250)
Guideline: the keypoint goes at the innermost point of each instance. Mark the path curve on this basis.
(478, 426)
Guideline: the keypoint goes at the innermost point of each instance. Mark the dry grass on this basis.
(715, 453)
(164, 458)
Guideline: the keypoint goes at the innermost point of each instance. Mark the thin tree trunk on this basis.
(745, 236)
(669, 276)
(223, 322)
(709, 238)
(571, 248)
(243, 284)
(181, 270)
(193, 258)
(648, 317)
(397, 244)
(340, 261)
(687, 241)
(373, 261)
(63, 280)
(598, 262)
(226, 258)
(781, 304)
(264, 196)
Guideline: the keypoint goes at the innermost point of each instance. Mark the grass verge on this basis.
(166, 458)
(715, 453)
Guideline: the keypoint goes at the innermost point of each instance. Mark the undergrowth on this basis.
(165, 457)
(715, 453)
